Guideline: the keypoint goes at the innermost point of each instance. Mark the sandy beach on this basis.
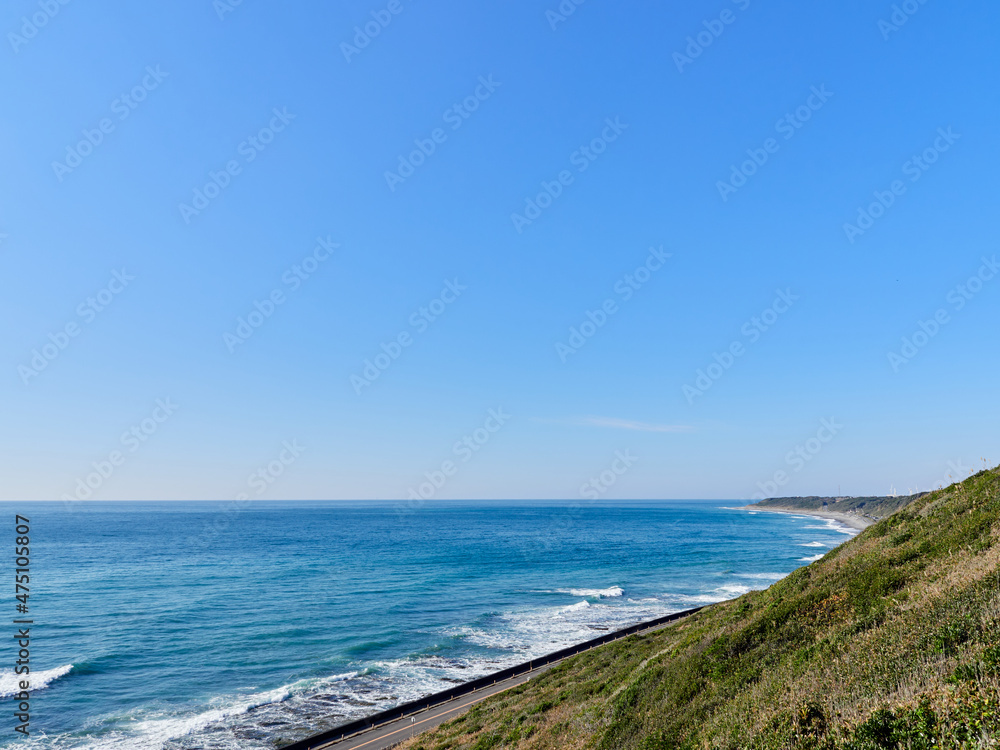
(853, 520)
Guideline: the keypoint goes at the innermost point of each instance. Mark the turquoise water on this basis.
(210, 625)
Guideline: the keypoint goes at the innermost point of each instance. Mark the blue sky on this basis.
(742, 160)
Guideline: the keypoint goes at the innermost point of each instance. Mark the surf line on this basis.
(380, 720)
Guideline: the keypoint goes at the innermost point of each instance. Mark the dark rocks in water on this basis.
(327, 698)
(269, 723)
(248, 733)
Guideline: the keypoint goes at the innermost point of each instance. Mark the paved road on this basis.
(388, 735)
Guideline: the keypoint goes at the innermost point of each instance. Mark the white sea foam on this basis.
(149, 730)
(607, 593)
(159, 730)
(814, 558)
(696, 599)
(814, 544)
(719, 594)
(733, 590)
(524, 634)
(832, 524)
(10, 682)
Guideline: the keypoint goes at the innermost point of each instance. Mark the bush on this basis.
(870, 586)
(952, 635)
(901, 538)
(991, 660)
(914, 729)
(964, 673)
(810, 720)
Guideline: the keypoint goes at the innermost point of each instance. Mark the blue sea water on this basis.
(214, 625)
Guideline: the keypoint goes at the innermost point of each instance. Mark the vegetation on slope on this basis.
(889, 641)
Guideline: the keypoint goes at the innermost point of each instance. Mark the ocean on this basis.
(225, 625)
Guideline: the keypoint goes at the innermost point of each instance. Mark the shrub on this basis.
(870, 586)
(952, 635)
(901, 538)
(810, 719)
(991, 660)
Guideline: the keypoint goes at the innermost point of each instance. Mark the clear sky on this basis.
(457, 187)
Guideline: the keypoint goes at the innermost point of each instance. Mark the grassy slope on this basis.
(872, 507)
(888, 641)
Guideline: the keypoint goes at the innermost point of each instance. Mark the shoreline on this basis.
(855, 521)
(378, 731)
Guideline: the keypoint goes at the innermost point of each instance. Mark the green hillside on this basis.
(889, 641)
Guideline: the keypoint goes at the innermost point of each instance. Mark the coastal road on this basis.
(389, 735)
(394, 732)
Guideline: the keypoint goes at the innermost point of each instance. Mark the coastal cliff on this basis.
(865, 509)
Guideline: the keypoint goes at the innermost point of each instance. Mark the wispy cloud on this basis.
(628, 424)
(616, 424)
